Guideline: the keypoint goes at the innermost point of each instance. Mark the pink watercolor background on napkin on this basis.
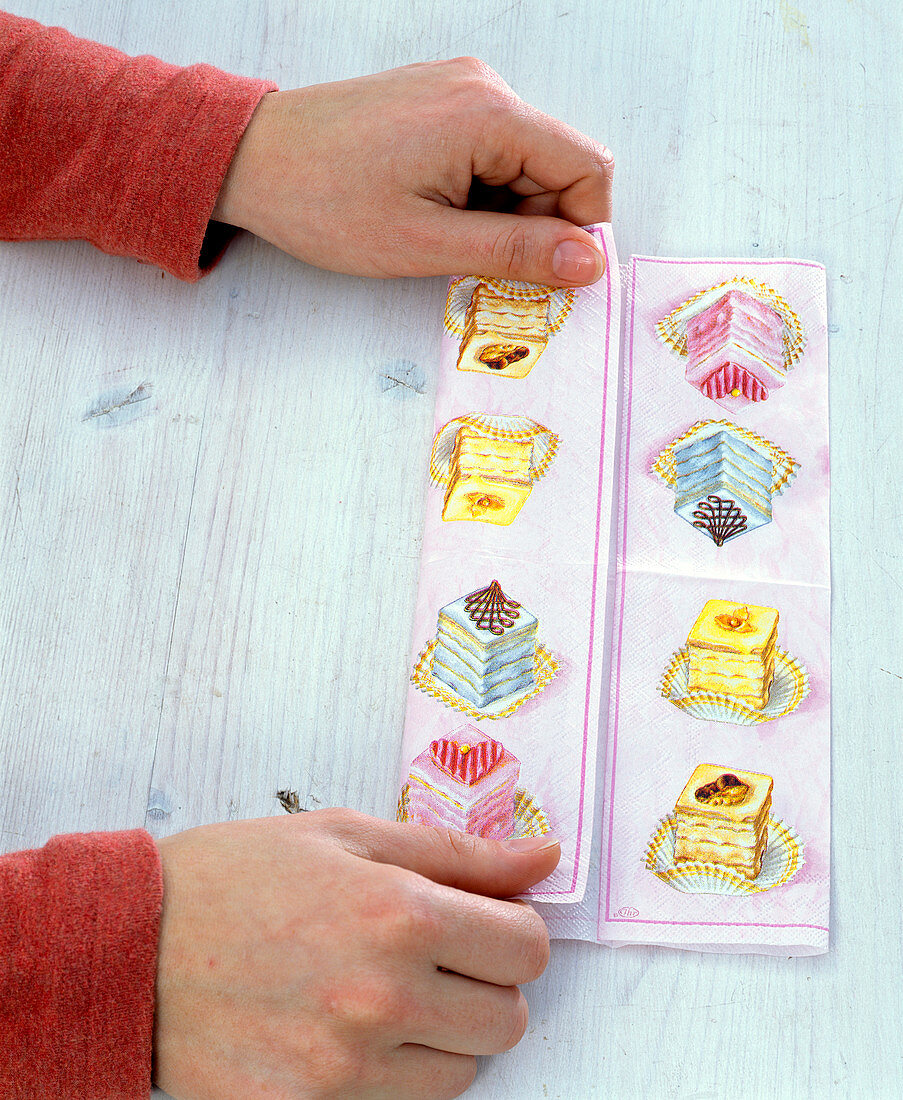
(551, 559)
(666, 571)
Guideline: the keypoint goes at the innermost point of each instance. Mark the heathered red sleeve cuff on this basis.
(128, 153)
(79, 922)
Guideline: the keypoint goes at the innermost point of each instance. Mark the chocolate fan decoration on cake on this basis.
(721, 517)
(490, 609)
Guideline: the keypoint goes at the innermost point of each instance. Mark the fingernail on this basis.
(576, 262)
(522, 844)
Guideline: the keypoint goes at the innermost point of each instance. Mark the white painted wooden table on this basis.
(207, 595)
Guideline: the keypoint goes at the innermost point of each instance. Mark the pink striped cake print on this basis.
(466, 763)
(729, 378)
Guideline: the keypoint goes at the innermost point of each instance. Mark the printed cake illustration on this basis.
(485, 659)
(465, 781)
(732, 651)
(740, 339)
(485, 647)
(724, 478)
(488, 464)
(503, 335)
(504, 325)
(722, 818)
(732, 670)
(490, 478)
(722, 837)
(735, 349)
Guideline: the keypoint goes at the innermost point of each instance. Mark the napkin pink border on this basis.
(534, 893)
(607, 916)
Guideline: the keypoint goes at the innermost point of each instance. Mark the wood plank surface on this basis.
(211, 495)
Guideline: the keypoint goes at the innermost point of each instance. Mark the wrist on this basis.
(239, 193)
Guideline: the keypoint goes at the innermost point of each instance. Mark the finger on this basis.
(415, 1071)
(504, 199)
(495, 868)
(545, 205)
(464, 1016)
(508, 246)
(554, 156)
(510, 200)
(523, 185)
(502, 942)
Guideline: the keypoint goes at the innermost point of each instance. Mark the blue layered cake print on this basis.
(724, 478)
(485, 647)
(722, 485)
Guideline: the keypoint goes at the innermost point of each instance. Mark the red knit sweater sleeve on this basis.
(128, 153)
(79, 920)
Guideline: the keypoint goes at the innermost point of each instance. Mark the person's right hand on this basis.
(330, 954)
(431, 169)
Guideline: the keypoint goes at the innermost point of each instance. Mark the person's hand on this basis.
(330, 954)
(405, 172)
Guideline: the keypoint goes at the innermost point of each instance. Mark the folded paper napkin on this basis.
(681, 652)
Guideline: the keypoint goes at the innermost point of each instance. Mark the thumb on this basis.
(528, 247)
(494, 868)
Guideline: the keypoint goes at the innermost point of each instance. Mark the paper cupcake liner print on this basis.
(485, 660)
(783, 858)
(721, 838)
(504, 326)
(529, 817)
(740, 339)
(732, 670)
(724, 478)
(488, 464)
(544, 668)
(467, 781)
(789, 688)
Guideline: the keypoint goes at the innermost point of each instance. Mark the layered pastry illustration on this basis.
(488, 464)
(735, 348)
(503, 335)
(722, 818)
(724, 478)
(504, 326)
(721, 837)
(486, 643)
(485, 659)
(467, 781)
(732, 670)
(732, 651)
(740, 340)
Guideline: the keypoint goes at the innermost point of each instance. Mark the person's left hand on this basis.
(329, 955)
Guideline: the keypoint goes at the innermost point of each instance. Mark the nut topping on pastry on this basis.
(499, 356)
(482, 503)
(737, 621)
(726, 790)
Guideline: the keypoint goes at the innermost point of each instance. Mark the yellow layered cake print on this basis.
(490, 480)
(732, 651)
(487, 465)
(504, 325)
(722, 818)
(503, 335)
